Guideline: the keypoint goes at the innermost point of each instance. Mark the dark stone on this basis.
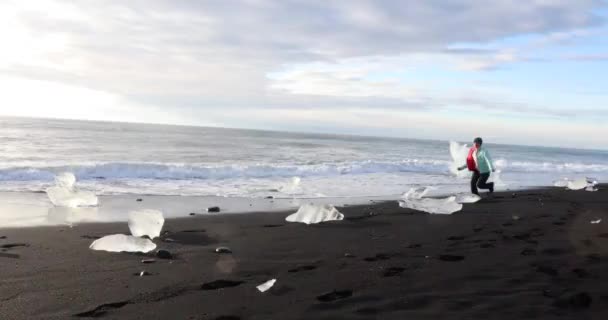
(139, 200)
(223, 250)
(213, 209)
(192, 213)
(269, 197)
(164, 254)
(450, 257)
(3, 237)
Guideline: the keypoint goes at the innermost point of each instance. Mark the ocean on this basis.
(146, 159)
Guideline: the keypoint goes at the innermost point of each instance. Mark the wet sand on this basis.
(523, 255)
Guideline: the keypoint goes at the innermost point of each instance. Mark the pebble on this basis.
(213, 209)
(164, 254)
(223, 250)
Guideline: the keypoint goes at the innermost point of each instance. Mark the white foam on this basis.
(146, 223)
(266, 285)
(596, 221)
(467, 198)
(65, 193)
(123, 243)
(314, 213)
(292, 187)
(413, 199)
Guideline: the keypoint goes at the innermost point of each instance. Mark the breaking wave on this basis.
(112, 171)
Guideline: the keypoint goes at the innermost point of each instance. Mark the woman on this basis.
(480, 163)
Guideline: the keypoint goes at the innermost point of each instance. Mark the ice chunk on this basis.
(123, 243)
(413, 199)
(577, 184)
(459, 153)
(596, 221)
(313, 213)
(266, 285)
(146, 223)
(561, 183)
(591, 188)
(467, 198)
(65, 193)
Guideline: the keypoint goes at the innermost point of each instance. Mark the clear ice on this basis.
(146, 223)
(579, 184)
(313, 213)
(65, 193)
(123, 243)
(413, 199)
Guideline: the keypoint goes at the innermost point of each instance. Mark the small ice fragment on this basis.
(591, 189)
(313, 213)
(65, 193)
(596, 221)
(467, 198)
(413, 200)
(123, 243)
(146, 223)
(266, 285)
(577, 184)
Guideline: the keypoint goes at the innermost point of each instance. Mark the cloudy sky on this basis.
(524, 72)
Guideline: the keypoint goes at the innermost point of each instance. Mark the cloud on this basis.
(188, 58)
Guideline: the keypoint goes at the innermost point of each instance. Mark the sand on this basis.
(524, 255)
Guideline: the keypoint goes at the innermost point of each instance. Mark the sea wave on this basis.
(217, 172)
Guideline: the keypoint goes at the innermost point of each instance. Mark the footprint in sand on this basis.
(450, 257)
(378, 257)
(13, 245)
(220, 284)
(335, 295)
(392, 272)
(302, 268)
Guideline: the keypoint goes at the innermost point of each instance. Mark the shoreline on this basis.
(518, 255)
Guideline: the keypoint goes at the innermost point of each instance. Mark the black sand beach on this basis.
(523, 255)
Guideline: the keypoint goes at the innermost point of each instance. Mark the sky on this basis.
(522, 72)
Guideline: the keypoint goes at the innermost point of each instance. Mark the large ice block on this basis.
(313, 213)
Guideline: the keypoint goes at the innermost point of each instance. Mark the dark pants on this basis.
(480, 180)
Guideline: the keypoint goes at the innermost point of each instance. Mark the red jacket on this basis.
(471, 165)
